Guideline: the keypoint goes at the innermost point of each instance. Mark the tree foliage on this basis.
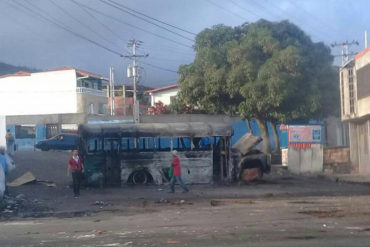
(271, 71)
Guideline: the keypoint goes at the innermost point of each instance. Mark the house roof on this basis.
(81, 72)
(156, 90)
(19, 73)
(363, 52)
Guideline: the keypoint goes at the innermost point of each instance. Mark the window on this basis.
(25, 132)
(101, 109)
(342, 87)
(351, 91)
(91, 108)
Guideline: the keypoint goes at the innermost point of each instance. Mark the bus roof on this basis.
(192, 129)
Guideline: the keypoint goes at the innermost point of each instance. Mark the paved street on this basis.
(282, 210)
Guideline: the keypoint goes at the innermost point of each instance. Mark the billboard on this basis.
(304, 134)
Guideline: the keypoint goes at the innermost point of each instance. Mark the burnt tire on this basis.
(140, 177)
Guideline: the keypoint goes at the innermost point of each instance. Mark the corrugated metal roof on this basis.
(193, 129)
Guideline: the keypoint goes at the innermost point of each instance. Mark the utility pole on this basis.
(345, 49)
(133, 72)
(111, 91)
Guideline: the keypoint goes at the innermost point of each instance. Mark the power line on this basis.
(133, 26)
(81, 23)
(229, 11)
(42, 16)
(316, 18)
(158, 67)
(97, 20)
(245, 9)
(141, 18)
(152, 18)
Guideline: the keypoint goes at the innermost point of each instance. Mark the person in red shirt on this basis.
(75, 165)
(176, 165)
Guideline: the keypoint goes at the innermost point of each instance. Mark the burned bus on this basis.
(119, 154)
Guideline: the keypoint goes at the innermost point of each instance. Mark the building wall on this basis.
(362, 65)
(164, 96)
(39, 93)
(84, 101)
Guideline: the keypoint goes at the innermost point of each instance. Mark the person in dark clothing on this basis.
(75, 165)
(177, 173)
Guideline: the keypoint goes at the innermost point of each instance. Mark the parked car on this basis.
(59, 142)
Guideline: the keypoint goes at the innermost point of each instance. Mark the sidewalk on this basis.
(350, 178)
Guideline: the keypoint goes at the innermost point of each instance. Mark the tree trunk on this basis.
(276, 136)
(249, 126)
(266, 147)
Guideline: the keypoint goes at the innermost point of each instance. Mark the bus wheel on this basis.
(140, 177)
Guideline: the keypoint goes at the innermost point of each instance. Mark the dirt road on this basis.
(284, 210)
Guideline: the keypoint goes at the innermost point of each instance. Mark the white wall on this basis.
(40, 93)
(164, 96)
(2, 131)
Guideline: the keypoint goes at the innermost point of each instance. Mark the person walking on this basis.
(176, 165)
(10, 141)
(75, 165)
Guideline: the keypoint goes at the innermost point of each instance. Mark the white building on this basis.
(163, 94)
(43, 104)
(64, 90)
(355, 108)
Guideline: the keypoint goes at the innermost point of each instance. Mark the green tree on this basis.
(269, 71)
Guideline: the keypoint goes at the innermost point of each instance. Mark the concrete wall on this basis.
(164, 96)
(336, 132)
(39, 93)
(84, 100)
(305, 160)
(336, 155)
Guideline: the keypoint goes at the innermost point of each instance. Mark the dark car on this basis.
(59, 142)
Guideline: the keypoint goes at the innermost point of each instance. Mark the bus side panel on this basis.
(197, 166)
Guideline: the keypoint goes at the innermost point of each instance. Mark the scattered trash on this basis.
(47, 183)
(172, 241)
(162, 200)
(26, 178)
(85, 236)
(20, 197)
(127, 244)
(99, 203)
(99, 232)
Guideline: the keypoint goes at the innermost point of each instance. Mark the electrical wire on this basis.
(42, 16)
(99, 22)
(245, 9)
(158, 67)
(133, 26)
(114, 5)
(229, 11)
(152, 18)
(81, 23)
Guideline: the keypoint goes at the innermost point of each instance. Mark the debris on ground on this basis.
(162, 200)
(172, 241)
(46, 183)
(250, 175)
(99, 203)
(26, 178)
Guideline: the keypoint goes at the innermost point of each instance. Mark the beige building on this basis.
(355, 108)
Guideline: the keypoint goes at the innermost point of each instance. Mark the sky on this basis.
(91, 34)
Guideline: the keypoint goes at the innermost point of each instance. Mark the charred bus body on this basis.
(119, 154)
